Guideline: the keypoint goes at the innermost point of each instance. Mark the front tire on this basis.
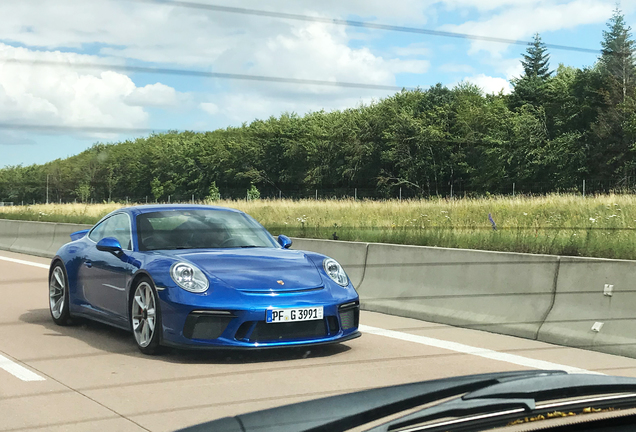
(58, 295)
(145, 317)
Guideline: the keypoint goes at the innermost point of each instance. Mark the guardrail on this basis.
(578, 302)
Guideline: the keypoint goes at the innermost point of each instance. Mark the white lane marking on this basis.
(13, 368)
(18, 371)
(19, 261)
(467, 349)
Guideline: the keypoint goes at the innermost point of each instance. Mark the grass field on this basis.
(600, 226)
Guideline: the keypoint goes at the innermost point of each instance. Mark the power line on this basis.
(204, 74)
(88, 129)
(362, 24)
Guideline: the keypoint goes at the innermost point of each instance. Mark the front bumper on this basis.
(225, 326)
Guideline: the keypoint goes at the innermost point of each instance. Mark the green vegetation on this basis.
(600, 226)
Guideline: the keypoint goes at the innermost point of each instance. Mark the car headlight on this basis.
(335, 271)
(189, 277)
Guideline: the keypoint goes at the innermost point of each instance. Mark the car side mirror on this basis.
(284, 241)
(110, 244)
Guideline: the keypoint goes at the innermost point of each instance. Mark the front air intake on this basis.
(349, 315)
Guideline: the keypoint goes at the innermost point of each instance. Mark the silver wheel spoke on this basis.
(145, 333)
(56, 292)
(144, 314)
(58, 278)
(57, 306)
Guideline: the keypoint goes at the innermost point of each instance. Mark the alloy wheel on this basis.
(57, 289)
(144, 314)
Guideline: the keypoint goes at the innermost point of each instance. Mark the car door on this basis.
(106, 274)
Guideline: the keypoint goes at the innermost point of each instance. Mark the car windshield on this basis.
(199, 229)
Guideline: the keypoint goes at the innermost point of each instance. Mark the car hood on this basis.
(257, 269)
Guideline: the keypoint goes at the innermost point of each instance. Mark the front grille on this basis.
(201, 326)
(264, 332)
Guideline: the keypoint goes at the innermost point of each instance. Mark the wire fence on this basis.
(38, 192)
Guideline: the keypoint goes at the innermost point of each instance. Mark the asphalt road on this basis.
(92, 377)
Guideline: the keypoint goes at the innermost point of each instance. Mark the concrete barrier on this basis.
(63, 235)
(554, 299)
(583, 316)
(494, 291)
(351, 255)
(8, 233)
(34, 238)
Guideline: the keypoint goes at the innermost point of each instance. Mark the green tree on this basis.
(84, 191)
(536, 60)
(617, 55)
(213, 193)
(253, 193)
(530, 88)
(611, 149)
(156, 188)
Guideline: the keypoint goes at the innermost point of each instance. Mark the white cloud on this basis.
(209, 107)
(523, 19)
(490, 84)
(241, 107)
(155, 95)
(166, 33)
(215, 41)
(320, 51)
(64, 96)
(489, 5)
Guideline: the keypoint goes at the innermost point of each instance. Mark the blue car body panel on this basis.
(243, 285)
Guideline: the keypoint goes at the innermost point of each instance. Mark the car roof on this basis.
(137, 210)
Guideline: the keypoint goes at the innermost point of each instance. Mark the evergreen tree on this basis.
(617, 56)
(536, 60)
(530, 88)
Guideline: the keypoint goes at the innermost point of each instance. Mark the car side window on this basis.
(117, 226)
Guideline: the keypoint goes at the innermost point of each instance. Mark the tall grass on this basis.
(600, 226)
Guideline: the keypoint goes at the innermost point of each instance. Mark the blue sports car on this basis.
(198, 276)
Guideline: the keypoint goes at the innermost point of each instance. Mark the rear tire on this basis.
(59, 295)
(145, 317)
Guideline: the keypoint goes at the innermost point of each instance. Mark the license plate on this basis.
(293, 314)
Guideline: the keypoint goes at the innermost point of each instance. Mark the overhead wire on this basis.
(360, 24)
(203, 74)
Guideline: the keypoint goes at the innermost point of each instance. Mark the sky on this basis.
(158, 34)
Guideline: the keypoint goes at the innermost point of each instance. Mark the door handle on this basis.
(88, 263)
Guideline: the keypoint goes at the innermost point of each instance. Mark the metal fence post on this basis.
(583, 188)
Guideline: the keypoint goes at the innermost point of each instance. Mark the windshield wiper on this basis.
(487, 399)
(498, 404)
(252, 246)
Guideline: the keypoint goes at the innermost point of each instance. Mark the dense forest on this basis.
(555, 130)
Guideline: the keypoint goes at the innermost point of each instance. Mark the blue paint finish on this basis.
(78, 234)
(244, 282)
